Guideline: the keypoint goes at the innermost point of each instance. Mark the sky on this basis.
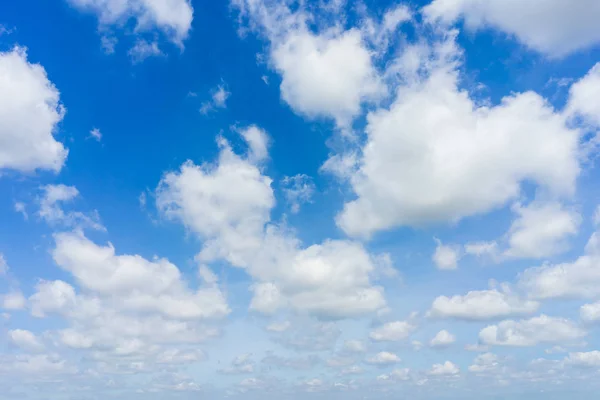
(256, 199)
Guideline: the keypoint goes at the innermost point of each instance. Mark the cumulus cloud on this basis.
(30, 112)
(446, 257)
(531, 332)
(532, 25)
(590, 312)
(583, 97)
(541, 230)
(589, 359)
(579, 278)
(173, 17)
(383, 358)
(328, 279)
(482, 305)
(393, 331)
(458, 158)
(446, 369)
(324, 74)
(442, 339)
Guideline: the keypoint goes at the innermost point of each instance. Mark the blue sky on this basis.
(252, 198)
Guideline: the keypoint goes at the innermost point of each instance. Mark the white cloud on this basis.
(383, 358)
(96, 134)
(580, 278)
(393, 331)
(147, 286)
(458, 158)
(532, 25)
(258, 143)
(30, 112)
(590, 359)
(583, 97)
(329, 279)
(484, 363)
(446, 257)
(144, 49)
(541, 230)
(298, 190)
(173, 17)
(53, 196)
(324, 74)
(51, 297)
(13, 301)
(442, 339)
(445, 369)
(396, 375)
(25, 340)
(597, 216)
(482, 305)
(590, 312)
(219, 96)
(531, 332)
(482, 249)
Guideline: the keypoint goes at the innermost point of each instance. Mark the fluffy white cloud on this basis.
(30, 111)
(446, 257)
(584, 101)
(532, 25)
(325, 74)
(541, 230)
(24, 339)
(383, 358)
(328, 279)
(151, 286)
(442, 339)
(51, 297)
(457, 158)
(396, 375)
(393, 331)
(298, 190)
(242, 364)
(445, 369)
(173, 17)
(590, 359)
(580, 278)
(590, 312)
(531, 332)
(482, 305)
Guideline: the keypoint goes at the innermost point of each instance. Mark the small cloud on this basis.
(20, 208)
(219, 96)
(3, 265)
(95, 134)
(144, 49)
(6, 31)
(265, 79)
(108, 44)
(298, 190)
